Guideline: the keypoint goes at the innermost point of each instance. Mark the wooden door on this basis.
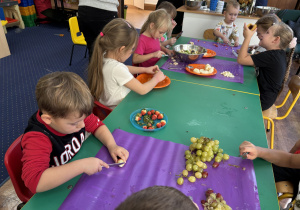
(139, 3)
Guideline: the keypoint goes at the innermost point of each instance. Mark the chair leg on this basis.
(268, 126)
(269, 120)
(71, 55)
(298, 71)
(85, 52)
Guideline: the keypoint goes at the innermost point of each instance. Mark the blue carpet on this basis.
(35, 52)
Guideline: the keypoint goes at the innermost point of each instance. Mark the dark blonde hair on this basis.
(169, 7)
(234, 3)
(62, 93)
(267, 21)
(157, 198)
(116, 33)
(285, 33)
(160, 18)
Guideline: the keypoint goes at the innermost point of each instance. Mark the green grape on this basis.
(208, 159)
(185, 173)
(218, 159)
(220, 155)
(180, 181)
(220, 150)
(198, 175)
(206, 148)
(204, 166)
(189, 167)
(225, 156)
(199, 163)
(216, 142)
(192, 179)
(203, 159)
(195, 167)
(210, 153)
(197, 159)
(212, 143)
(193, 140)
(191, 147)
(204, 154)
(200, 170)
(201, 139)
(199, 152)
(188, 161)
(198, 146)
(187, 152)
(188, 157)
(215, 148)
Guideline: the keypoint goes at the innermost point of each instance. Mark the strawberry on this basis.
(152, 111)
(149, 112)
(163, 123)
(144, 111)
(138, 114)
(158, 125)
(154, 117)
(157, 112)
(149, 124)
(151, 127)
(160, 116)
(137, 118)
(144, 127)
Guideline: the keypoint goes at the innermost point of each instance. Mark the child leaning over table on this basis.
(227, 30)
(55, 133)
(166, 39)
(270, 64)
(286, 165)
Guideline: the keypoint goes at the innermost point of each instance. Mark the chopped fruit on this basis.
(137, 118)
(154, 117)
(149, 124)
(158, 125)
(145, 127)
(152, 127)
(152, 111)
(160, 116)
(121, 161)
(149, 112)
(163, 123)
(157, 112)
(144, 111)
(138, 114)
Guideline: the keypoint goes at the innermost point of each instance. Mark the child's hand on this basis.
(152, 69)
(93, 165)
(170, 52)
(250, 148)
(226, 40)
(236, 43)
(159, 76)
(173, 24)
(247, 33)
(118, 151)
(172, 40)
(158, 54)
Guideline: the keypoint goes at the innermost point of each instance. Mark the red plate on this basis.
(209, 54)
(200, 66)
(143, 78)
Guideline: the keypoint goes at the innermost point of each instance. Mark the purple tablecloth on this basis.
(221, 65)
(156, 162)
(222, 50)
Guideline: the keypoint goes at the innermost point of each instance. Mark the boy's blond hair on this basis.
(62, 93)
(169, 7)
(235, 4)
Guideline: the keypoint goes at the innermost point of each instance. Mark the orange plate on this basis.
(143, 78)
(199, 66)
(209, 53)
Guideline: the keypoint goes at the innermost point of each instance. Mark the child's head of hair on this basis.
(116, 34)
(232, 3)
(169, 7)
(285, 33)
(160, 18)
(62, 93)
(267, 21)
(157, 198)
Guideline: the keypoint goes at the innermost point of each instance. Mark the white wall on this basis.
(151, 2)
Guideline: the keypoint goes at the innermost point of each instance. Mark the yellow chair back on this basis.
(74, 30)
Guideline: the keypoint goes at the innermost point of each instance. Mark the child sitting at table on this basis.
(171, 10)
(226, 31)
(109, 79)
(56, 132)
(270, 64)
(286, 165)
(158, 198)
(149, 50)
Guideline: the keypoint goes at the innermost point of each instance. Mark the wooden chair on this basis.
(13, 164)
(100, 110)
(271, 114)
(209, 34)
(77, 39)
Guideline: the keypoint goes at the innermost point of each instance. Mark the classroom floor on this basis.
(286, 131)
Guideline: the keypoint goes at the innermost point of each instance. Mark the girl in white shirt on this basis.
(109, 79)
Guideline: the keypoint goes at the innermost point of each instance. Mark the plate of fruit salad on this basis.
(148, 119)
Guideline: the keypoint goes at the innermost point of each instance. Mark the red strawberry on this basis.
(157, 112)
(149, 124)
(163, 123)
(158, 125)
(144, 127)
(151, 127)
(152, 111)
(154, 117)
(137, 118)
(149, 112)
(144, 111)
(160, 116)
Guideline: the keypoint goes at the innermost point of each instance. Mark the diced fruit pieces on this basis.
(154, 117)
(137, 118)
(158, 125)
(160, 116)
(144, 111)
(163, 123)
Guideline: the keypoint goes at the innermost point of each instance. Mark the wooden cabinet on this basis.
(283, 4)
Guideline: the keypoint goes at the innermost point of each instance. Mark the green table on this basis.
(193, 109)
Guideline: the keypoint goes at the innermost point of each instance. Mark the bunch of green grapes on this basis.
(201, 150)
